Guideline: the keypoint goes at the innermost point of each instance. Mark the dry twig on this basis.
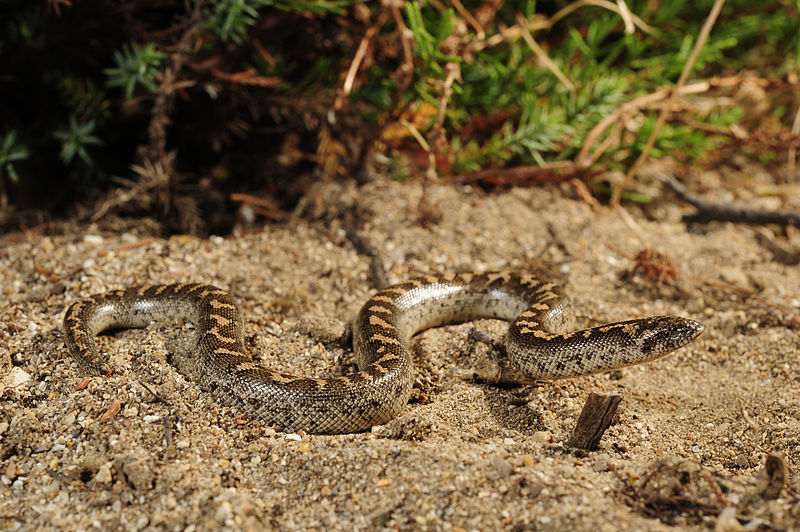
(597, 414)
(662, 118)
(712, 210)
(586, 157)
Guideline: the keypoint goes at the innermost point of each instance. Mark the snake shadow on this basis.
(508, 405)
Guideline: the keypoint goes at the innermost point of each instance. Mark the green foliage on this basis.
(253, 71)
(377, 90)
(230, 20)
(11, 151)
(429, 38)
(135, 66)
(75, 139)
(543, 121)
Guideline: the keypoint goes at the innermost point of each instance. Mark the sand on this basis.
(687, 450)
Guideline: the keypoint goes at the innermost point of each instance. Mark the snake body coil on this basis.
(537, 343)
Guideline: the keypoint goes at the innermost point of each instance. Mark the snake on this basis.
(539, 343)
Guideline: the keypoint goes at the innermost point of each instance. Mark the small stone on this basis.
(151, 418)
(542, 436)
(16, 378)
(11, 470)
(293, 437)
(103, 475)
(94, 240)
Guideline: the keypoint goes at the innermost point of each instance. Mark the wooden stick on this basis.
(711, 210)
(595, 418)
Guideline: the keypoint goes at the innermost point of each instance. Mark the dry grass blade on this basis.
(542, 55)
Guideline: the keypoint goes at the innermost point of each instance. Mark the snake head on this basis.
(663, 334)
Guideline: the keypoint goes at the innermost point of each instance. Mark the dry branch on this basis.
(708, 211)
(662, 117)
(595, 418)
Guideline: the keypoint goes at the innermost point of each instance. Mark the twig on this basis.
(628, 108)
(792, 155)
(711, 210)
(585, 194)
(662, 117)
(627, 18)
(636, 21)
(437, 136)
(246, 77)
(361, 52)
(137, 244)
(406, 70)
(464, 12)
(541, 54)
(595, 418)
(539, 23)
(263, 206)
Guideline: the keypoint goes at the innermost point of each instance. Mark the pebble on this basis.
(542, 436)
(11, 470)
(103, 475)
(16, 378)
(94, 240)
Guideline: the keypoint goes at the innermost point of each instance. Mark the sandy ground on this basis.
(687, 450)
